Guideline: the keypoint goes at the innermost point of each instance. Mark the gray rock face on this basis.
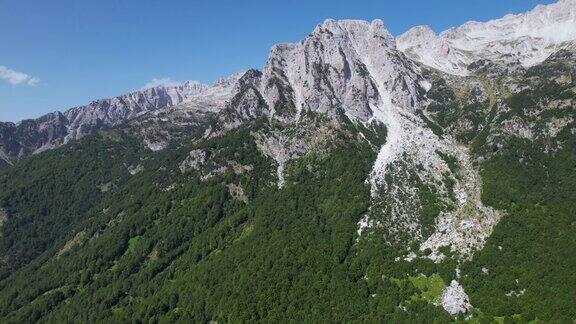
(193, 161)
(106, 112)
(281, 149)
(18, 140)
(54, 129)
(336, 69)
(247, 101)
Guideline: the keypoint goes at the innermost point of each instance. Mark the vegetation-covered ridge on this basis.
(163, 243)
(259, 221)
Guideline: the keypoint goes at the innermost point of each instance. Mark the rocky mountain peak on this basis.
(527, 38)
(353, 29)
(57, 128)
(342, 66)
(113, 111)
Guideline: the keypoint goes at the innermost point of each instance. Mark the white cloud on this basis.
(15, 77)
(33, 82)
(161, 82)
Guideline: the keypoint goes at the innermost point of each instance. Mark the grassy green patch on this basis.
(431, 287)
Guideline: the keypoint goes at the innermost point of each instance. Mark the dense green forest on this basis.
(196, 254)
(54, 195)
(165, 246)
(531, 250)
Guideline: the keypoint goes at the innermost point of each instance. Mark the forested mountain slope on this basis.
(343, 182)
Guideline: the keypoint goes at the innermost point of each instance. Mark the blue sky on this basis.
(58, 54)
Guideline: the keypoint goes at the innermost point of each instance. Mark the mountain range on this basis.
(357, 177)
(524, 39)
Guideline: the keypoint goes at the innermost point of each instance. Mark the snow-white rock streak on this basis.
(467, 228)
(454, 300)
(413, 144)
